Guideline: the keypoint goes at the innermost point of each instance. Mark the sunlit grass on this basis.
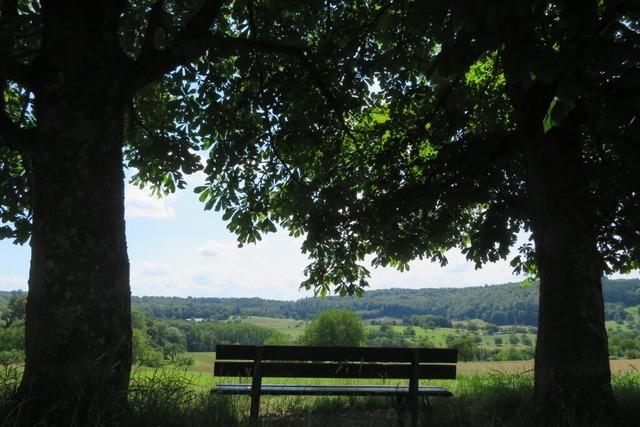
(180, 397)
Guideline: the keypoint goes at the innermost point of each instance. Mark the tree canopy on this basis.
(397, 129)
(427, 153)
(334, 327)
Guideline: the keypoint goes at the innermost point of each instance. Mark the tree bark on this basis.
(78, 316)
(572, 373)
(78, 320)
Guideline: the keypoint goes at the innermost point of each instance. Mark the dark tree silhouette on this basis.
(486, 119)
(87, 88)
(490, 118)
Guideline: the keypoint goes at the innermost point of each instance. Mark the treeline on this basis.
(505, 304)
(156, 340)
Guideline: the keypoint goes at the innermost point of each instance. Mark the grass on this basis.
(179, 397)
(480, 399)
(485, 394)
(201, 371)
(169, 398)
(293, 328)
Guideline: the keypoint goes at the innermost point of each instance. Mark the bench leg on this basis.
(254, 414)
(401, 402)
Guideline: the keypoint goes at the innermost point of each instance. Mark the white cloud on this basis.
(12, 283)
(271, 269)
(141, 203)
(155, 278)
(458, 272)
(153, 268)
(274, 269)
(215, 248)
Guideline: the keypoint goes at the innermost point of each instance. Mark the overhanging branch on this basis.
(188, 44)
(14, 137)
(196, 38)
(11, 69)
(22, 74)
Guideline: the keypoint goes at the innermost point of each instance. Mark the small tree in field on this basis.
(335, 328)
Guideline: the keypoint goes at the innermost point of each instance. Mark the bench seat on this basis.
(341, 363)
(332, 390)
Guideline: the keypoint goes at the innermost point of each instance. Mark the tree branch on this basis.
(190, 43)
(13, 136)
(9, 67)
(18, 72)
(300, 53)
(154, 22)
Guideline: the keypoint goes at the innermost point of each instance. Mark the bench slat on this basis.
(333, 370)
(336, 354)
(332, 390)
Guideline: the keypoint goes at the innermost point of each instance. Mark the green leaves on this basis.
(335, 328)
(548, 121)
(15, 197)
(556, 113)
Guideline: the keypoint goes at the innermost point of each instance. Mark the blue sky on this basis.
(178, 249)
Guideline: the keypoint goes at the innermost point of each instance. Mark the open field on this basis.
(292, 327)
(438, 336)
(203, 366)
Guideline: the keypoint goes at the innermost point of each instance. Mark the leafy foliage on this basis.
(403, 143)
(334, 328)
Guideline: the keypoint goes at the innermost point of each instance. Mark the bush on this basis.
(386, 336)
(152, 359)
(511, 353)
(11, 357)
(184, 361)
(466, 348)
(335, 327)
(278, 338)
(425, 341)
(409, 331)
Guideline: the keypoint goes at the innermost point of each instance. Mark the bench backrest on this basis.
(335, 362)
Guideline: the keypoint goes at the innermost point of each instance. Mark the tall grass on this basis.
(626, 387)
(173, 398)
(169, 398)
(489, 399)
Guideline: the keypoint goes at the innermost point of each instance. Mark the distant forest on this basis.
(506, 304)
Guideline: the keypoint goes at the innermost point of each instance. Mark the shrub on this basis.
(11, 357)
(184, 361)
(335, 327)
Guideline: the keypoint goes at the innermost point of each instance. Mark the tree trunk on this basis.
(78, 320)
(572, 373)
(78, 315)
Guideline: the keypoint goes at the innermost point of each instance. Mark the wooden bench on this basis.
(258, 362)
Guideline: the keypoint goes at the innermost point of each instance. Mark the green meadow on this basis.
(483, 396)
